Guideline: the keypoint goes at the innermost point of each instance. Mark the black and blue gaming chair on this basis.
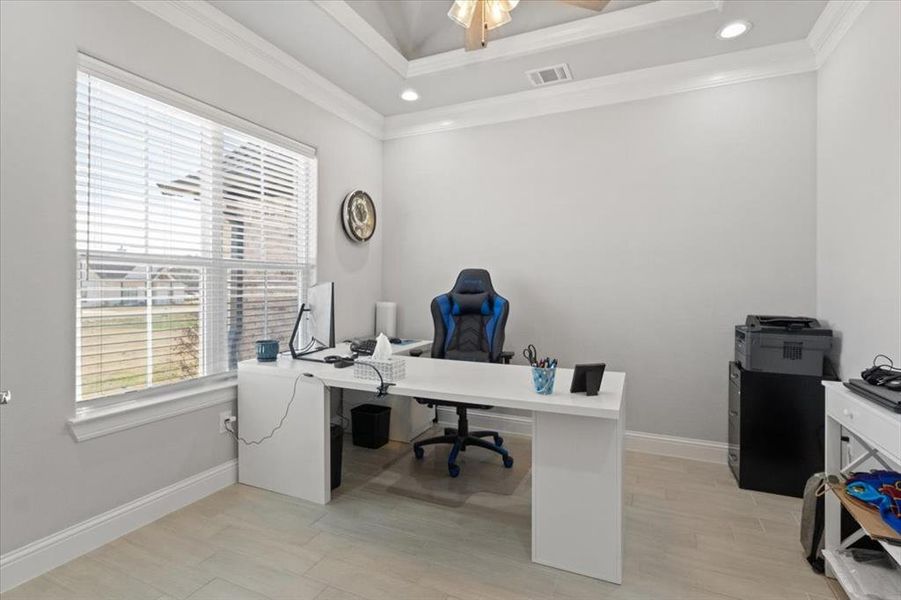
(469, 325)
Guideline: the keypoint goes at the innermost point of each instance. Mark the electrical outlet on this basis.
(224, 416)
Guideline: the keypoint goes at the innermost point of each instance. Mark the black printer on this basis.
(779, 344)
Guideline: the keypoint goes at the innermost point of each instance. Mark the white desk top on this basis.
(507, 386)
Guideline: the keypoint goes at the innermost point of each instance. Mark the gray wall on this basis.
(47, 481)
(636, 234)
(859, 189)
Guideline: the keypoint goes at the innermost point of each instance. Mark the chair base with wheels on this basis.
(461, 437)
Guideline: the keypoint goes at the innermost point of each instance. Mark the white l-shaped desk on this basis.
(577, 444)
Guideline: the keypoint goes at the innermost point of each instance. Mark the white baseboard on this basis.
(27, 562)
(637, 441)
(680, 447)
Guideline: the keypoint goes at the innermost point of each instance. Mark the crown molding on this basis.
(348, 18)
(213, 27)
(203, 21)
(724, 69)
(832, 25)
(566, 34)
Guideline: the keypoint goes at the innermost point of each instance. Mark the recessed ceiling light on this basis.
(446, 123)
(733, 30)
(410, 95)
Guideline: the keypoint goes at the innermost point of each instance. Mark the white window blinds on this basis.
(194, 239)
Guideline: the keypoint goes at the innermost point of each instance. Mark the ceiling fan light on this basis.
(461, 12)
(495, 15)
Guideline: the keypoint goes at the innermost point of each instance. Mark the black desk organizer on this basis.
(776, 430)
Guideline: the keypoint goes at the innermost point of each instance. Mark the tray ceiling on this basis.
(340, 41)
(419, 28)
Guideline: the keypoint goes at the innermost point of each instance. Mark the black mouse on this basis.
(395, 340)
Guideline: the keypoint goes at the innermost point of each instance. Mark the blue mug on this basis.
(267, 350)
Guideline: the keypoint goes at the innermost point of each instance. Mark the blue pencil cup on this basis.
(543, 380)
(267, 350)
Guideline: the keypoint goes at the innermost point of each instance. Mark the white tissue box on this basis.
(393, 370)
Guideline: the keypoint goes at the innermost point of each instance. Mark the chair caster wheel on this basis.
(418, 452)
(453, 470)
(508, 462)
(498, 441)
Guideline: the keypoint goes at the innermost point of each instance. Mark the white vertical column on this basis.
(296, 460)
(577, 494)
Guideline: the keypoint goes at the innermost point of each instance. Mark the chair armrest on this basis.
(415, 352)
(506, 357)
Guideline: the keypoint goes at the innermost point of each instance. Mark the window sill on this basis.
(96, 421)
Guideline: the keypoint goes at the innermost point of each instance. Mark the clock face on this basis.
(358, 216)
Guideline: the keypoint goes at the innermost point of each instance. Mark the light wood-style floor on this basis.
(400, 529)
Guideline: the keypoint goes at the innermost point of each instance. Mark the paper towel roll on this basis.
(386, 318)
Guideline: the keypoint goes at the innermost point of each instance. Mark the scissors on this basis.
(530, 354)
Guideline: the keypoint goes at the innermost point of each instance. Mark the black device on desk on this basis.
(883, 373)
(880, 395)
(365, 347)
(880, 383)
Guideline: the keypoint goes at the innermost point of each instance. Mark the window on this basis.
(194, 238)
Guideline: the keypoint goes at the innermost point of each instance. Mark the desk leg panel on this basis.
(577, 494)
(296, 460)
(833, 465)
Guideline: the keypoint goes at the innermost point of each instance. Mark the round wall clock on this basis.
(358, 216)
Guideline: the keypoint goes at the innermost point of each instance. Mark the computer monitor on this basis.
(314, 329)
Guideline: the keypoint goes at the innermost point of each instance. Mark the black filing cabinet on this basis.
(776, 429)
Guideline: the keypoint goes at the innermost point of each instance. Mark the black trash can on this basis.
(337, 433)
(370, 424)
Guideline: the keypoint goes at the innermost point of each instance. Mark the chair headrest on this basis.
(473, 281)
(468, 304)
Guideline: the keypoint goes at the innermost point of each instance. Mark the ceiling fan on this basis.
(481, 16)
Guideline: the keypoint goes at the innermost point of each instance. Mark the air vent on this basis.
(549, 75)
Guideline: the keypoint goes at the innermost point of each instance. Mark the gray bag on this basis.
(813, 519)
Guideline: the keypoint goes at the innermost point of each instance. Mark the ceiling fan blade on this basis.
(475, 32)
(596, 5)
